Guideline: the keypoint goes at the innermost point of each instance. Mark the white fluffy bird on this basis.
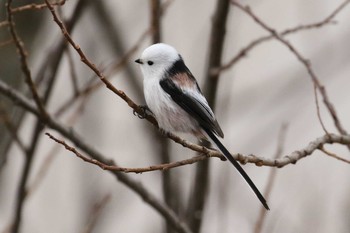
(174, 97)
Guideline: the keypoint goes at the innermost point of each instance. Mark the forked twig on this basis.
(259, 161)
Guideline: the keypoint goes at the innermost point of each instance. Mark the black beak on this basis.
(138, 61)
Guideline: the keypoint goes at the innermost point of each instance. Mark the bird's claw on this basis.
(144, 112)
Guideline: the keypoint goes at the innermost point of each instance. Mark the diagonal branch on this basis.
(271, 179)
(23, 58)
(137, 109)
(93, 67)
(137, 187)
(243, 52)
(307, 65)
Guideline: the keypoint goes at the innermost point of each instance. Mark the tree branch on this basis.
(292, 158)
(259, 161)
(307, 65)
(33, 6)
(23, 58)
(245, 50)
(167, 213)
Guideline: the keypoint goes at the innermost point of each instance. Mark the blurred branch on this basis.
(111, 30)
(23, 58)
(271, 179)
(4, 23)
(49, 158)
(73, 73)
(216, 43)
(292, 158)
(169, 184)
(33, 6)
(333, 155)
(6, 42)
(121, 63)
(156, 21)
(93, 67)
(22, 193)
(5, 119)
(306, 63)
(243, 52)
(90, 87)
(137, 187)
(95, 213)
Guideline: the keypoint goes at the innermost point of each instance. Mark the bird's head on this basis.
(156, 59)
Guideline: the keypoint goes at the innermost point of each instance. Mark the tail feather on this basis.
(227, 154)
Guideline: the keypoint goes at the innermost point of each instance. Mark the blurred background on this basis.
(263, 101)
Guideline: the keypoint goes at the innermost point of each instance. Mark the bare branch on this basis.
(333, 155)
(292, 158)
(4, 23)
(162, 167)
(271, 179)
(23, 57)
(167, 213)
(95, 213)
(5, 119)
(244, 51)
(6, 42)
(259, 161)
(305, 62)
(92, 66)
(34, 6)
(89, 87)
(73, 73)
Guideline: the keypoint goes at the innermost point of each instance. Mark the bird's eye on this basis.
(150, 63)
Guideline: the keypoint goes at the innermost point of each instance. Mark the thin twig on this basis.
(259, 161)
(292, 158)
(6, 42)
(49, 158)
(34, 6)
(271, 179)
(155, 20)
(36, 133)
(333, 155)
(4, 23)
(5, 119)
(137, 187)
(92, 66)
(305, 62)
(244, 51)
(23, 58)
(73, 73)
(95, 213)
(162, 167)
(90, 87)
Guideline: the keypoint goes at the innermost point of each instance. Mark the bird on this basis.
(174, 97)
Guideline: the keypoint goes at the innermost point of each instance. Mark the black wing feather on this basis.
(191, 105)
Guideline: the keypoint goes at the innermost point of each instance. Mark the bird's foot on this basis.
(144, 112)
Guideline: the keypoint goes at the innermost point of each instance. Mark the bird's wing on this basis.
(191, 100)
(199, 109)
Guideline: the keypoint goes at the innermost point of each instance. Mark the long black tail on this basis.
(238, 167)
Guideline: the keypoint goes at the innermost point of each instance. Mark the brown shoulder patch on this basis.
(184, 80)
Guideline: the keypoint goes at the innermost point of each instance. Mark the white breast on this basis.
(170, 116)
